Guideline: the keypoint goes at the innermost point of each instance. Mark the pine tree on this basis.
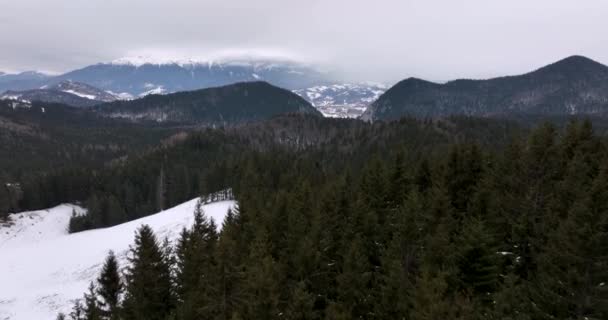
(110, 288)
(161, 190)
(196, 275)
(149, 292)
(77, 312)
(4, 202)
(116, 213)
(463, 173)
(422, 178)
(477, 260)
(432, 299)
(354, 281)
(230, 273)
(400, 260)
(512, 301)
(91, 306)
(263, 281)
(573, 269)
(301, 304)
(399, 181)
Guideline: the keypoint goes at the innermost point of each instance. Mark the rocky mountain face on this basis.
(575, 85)
(240, 102)
(348, 100)
(70, 93)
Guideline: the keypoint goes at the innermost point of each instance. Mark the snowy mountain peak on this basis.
(138, 61)
(254, 63)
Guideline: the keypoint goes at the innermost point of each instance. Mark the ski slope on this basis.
(43, 269)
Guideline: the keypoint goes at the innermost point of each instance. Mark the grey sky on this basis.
(381, 40)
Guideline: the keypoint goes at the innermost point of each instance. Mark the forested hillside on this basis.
(216, 159)
(573, 86)
(460, 230)
(230, 104)
(459, 218)
(38, 137)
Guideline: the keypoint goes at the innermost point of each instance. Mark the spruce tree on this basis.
(91, 306)
(149, 291)
(77, 312)
(196, 274)
(230, 273)
(110, 287)
(263, 282)
(477, 260)
(4, 202)
(400, 260)
(354, 281)
(432, 299)
(572, 272)
(301, 304)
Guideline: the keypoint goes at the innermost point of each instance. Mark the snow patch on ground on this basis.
(82, 95)
(121, 95)
(157, 90)
(44, 269)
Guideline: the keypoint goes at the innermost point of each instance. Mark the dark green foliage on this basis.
(438, 229)
(240, 102)
(148, 292)
(47, 139)
(574, 81)
(110, 288)
(197, 270)
(91, 305)
(4, 203)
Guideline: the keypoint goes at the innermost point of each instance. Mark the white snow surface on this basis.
(43, 269)
(157, 90)
(342, 100)
(82, 95)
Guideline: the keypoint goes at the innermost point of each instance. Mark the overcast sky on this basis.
(381, 40)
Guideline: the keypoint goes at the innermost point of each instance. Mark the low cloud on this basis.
(382, 40)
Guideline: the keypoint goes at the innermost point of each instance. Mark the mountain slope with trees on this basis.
(572, 86)
(465, 232)
(40, 137)
(241, 102)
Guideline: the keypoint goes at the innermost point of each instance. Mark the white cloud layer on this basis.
(377, 40)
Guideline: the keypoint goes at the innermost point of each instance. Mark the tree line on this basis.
(467, 231)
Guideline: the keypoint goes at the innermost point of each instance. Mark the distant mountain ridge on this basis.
(75, 94)
(22, 81)
(575, 85)
(240, 102)
(133, 77)
(140, 77)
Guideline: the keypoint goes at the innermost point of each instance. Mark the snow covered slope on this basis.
(43, 268)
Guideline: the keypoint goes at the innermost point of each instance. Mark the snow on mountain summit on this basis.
(189, 62)
(44, 268)
(139, 61)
